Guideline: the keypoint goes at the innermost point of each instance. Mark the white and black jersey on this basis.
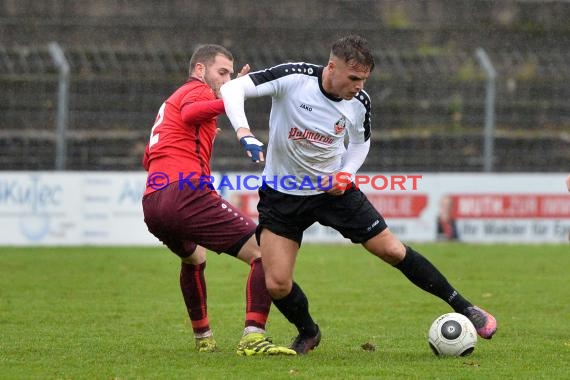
(307, 126)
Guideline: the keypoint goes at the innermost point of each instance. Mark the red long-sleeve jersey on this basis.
(182, 136)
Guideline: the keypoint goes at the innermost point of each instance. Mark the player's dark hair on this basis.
(353, 49)
(206, 54)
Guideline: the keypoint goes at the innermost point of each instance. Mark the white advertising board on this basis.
(104, 208)
(470, 207)
(72, 208)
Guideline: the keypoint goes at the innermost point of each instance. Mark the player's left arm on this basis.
(352, 160)
(200, 105)
(358, 140)
(355, 156)
(201, 111)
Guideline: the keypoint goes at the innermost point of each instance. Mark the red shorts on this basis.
(182, 217)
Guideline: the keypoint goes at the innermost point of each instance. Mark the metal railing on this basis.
(433, 110)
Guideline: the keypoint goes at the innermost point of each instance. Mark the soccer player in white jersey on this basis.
(313, 107)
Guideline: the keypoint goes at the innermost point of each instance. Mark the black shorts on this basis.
(289, 216)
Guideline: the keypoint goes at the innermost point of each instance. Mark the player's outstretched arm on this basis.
(253, 147)
(234, 94)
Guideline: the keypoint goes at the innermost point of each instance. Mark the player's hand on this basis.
(244, 70)
(332, 186)
(568, 182)
(253, 147)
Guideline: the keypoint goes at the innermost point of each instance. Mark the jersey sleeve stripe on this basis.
(279, 71)
(364, 98)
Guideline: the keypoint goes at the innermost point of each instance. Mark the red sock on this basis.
(193, 286)
(258, 301)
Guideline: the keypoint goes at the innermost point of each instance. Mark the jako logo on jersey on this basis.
(306, 107)
(296, 134)
(340, 125)
(376, 222)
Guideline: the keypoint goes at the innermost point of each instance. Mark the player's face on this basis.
(218, 73)
(346, 79)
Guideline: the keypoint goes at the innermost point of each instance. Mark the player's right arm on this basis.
(273, 81)
(234, 94)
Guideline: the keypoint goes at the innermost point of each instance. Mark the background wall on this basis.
(428, 91)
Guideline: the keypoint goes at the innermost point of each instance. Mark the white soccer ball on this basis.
(452, 334)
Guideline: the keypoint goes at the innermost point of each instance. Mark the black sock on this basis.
(426, 276)
(295, 307)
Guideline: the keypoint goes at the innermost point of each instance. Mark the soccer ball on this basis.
(452, 334)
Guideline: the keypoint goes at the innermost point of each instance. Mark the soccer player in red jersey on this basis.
(187, 215)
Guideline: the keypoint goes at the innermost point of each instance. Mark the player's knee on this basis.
(395, 251)
(249, 255)
(197, 257)
(278, 288)
(387, 248)
(249, 251)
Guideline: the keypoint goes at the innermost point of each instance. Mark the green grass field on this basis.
(117, 313)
